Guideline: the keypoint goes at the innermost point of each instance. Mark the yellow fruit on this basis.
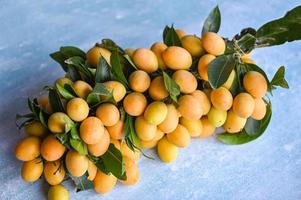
(116, 143)
(108, 114)
(134, 104)
(92, 170)
(54, 172)
(155, 112)
(171, 120)
(62, 81)
(43, 102)
(186, 81)
(57, 122)
(221, 98)
(101, 147)
(203, 99)
(35, 128)
(132, 172)
(179, 137)
(159, 135)
(213, 43)
(116, 131)
(139, 81)
(167, 151)
(117, 88)
(145, 130)
(129, 51)
(217, 117)
(193, 45)
(177, 58)
(32, 170)
(234, 123)
(259, 109)
(28, 148)
(247, 59)
(203, 63)
(77, 109)
(230, 80)
(148, 144)
(189, 107)
(243, 105)
(58, 192)
(94, 54)
(52, 149)
(127, 152)
(76, 164)
(104, 183)
(255, 84)
(157, 89)
(194, 127)
(145, 60)
(158, 48)
(181, 33)
(208, 128)
(82, 89)
(91, 130)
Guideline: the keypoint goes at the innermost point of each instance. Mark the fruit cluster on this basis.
(112, 103)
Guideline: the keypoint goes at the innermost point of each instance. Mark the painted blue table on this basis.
(269, 168)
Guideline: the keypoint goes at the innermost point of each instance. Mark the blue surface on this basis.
(268, 168)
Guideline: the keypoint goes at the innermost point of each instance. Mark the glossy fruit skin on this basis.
(62, 81)
(129, 153)
(181, 33)
(193, 45)
(230, 80)
(91, 130)
(213, 43)
(82, 89)
(117, 88)
(57, 122)
(217, 117)
(234, 123)
(28, 148)
(158, 48)
(58, 192)
(171, 120)
(144, 130)
(101, 147)
(255, 84)
(179, 137)
(177, 58)
(194, 127)
(243, 105)
(167, 151)
(157, 89)
(76, 164)
(221, 98)
(259, 109)
(155, 112)
(92, 170)
(104, 183)
(35, 128)
(108, 114)
(203, 99)
(77, 109)
(54, 172)
(186, 81)
(52, 149)
(94, 54)
(203, 63)
(116, 131)
(186, 102)
(139, 81)
(145, 60)
(208, 128)
(132, 172)
(134, 103)
(32, 170)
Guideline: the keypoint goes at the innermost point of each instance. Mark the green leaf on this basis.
(129, 60)
(213, 21)
(114, 163)
(171, 86)
(117, 68)
(82, 183)
(60, 58)
(64, 139)
(69, 124)
(70, 89)
(110, 45)
(243, 137)
(247, 43)
(43, 118)
(252, 126)
(73, 73)
(220, 69)
(131, 137)
(279, 31)
(64, 93)
(279, 78)
(103, 71)
(71, 51)
(74, 132)
(80, 65)
(170, 37)
(55, 100)
(79, 146)
(98, 90)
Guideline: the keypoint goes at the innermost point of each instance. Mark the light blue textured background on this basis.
(268, 168)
